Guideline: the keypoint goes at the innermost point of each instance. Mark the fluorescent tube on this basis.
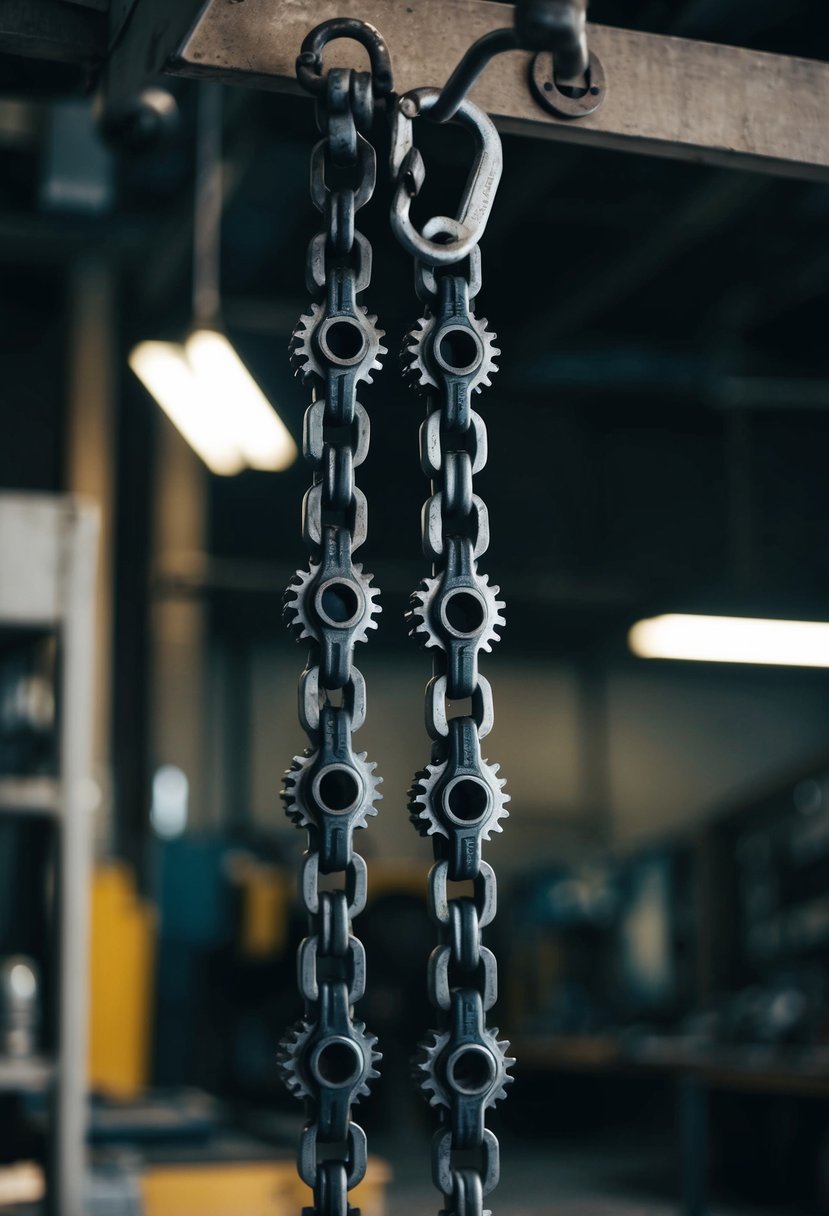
(209, 394)
(163, 369)
(258, 431)
(732, 639)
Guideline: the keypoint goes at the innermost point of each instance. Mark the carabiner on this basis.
(456, 237)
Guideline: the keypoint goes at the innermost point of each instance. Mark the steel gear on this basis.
(345, 605)
(307, 806)
(492, 1067)
(430, 617)
(418, 357)
(320, 343)
(430, 801)
(303, 1049)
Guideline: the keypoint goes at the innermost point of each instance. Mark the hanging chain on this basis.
(458, 798)
(329, 1058)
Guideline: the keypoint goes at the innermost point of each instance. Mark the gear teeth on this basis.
(374, 793)
(373, 1057)
(287, 1058)
(376, 364)
(292, 603)
(415, 368)
(289, 792)
(423, 1066)
(426, 820)
(428, 1077)
(299, 346)
(419, 814)
(419, 615)
(293, 1043)
(503, 1047)
(372, 595)
(294, 802)
(495, 825)
(304, 358)
(301, 618)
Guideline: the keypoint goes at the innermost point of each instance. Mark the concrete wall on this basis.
(686, 738)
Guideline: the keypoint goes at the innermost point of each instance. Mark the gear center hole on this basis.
(458, 350)
(339, 603)
(343, 341)
(338, 789)
(467, 800)
(339, 1063)
(472, 1070)
(464, 612)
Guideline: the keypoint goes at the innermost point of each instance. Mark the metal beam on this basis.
(47, 29)
(666, 96)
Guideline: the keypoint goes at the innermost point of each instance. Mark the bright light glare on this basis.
(732, 639)
(163, 369)
(259, 432)
(208, 393)
(22, 982)
(168, 812)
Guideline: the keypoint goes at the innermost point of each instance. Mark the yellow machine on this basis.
(121, 974)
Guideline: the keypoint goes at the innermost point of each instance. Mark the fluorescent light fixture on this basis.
(208, 393)
(163, 369)
(260, 433)
(732, 639)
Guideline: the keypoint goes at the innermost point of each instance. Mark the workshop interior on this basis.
(414, 608)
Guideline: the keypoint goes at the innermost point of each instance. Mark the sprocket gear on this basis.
(343, 604)
(420, 367)
(303, 1041)
(315, 344)
(431, 624)
(306, 806)
(429, 796)
(429, 1067)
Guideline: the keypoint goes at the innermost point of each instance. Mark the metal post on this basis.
(693, 1126)
(75, 849)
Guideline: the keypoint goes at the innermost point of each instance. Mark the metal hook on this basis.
(309, 60)
(443, 241)
(557, 26)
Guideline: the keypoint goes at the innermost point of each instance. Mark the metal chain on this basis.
(458, 798)
(329, 1058)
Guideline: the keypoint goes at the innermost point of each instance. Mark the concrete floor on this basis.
(603, 1180)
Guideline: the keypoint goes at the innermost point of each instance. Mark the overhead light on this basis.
(163, 369)
(732, 639)
(210, 396)
(202, 385)
(259, 432)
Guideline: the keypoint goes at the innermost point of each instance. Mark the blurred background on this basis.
(658, 433)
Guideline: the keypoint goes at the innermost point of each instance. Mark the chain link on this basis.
(329, 1058)
(457, 799)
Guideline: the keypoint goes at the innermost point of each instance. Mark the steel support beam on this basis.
(666, 96)
(48, 29)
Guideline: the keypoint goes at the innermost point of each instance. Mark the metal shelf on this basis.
(30, 796)
(47, 580)
(32, 1075)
